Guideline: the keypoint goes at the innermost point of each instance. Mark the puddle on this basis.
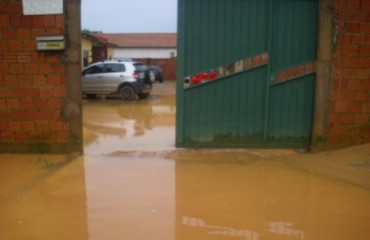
(133, 184)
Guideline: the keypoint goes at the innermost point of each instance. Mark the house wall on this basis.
(86, 45)
(349, 100)
(157, 53)
(40, 94)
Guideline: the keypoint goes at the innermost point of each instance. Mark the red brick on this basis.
(365, 4)
(354, 107)
(353, 27)
(39, 80)
(21, 136)
(4, 126)
(361, 62)
(12, 103)
(56, 125)
(15, 46)
(14, 126)
(10, 80)
(59, 20)
(4, 21)
(36, 32)
(10, 57)
(18, 92)
(49, 21)
(15, 21)
(361, 118)
(42, 126)
(29, 45)
(24, 33)
(359, 39)
(45, 68)
(337, 129)
(350, 73)
(26, 21)
(60, 92)
(31, 114)
(46, 92)
(23, 57)
(16, 68)
(31, 68)
(4, 68)
(341, 106)
(354, 4)
(365, 51)
(32, 92)
(2, 103)
(27, 103)
(4, 46)
(354, 84)
(25, 80)
(363, 74)
(352, 51)
(9, 34)
(7, 136)
(347, 118)
(55, 79)
(363, 96)
(365, 107)
(58, 68)
(54, 31)
(365, 28)
(38, 21)
(40, 103)
(11, 7)
(28, 126)
(46, 114)
(55, 103)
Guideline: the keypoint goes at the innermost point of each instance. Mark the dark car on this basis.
(154, 73)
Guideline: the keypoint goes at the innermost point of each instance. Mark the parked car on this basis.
(116, 77)
(155, 73)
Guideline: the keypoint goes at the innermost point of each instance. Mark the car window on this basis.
(96, 69)
(140, 66)
(112, 67)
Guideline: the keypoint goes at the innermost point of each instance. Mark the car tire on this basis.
(127, 93)
(143, 95)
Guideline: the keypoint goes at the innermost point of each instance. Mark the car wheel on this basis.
(143, 95)
(127, 93)
(90, 95)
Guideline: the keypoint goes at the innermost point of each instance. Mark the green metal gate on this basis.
(263, 52)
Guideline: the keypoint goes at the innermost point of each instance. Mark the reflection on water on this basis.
(133, 184)
(136, 126)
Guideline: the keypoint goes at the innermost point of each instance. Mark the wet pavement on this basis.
(132, 183)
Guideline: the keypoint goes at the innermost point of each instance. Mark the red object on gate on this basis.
(196, 79)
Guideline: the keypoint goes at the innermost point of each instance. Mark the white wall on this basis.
(155, 53)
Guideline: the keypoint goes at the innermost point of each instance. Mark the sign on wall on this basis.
(42, 7)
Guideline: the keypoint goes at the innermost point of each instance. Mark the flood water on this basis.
(131, 183)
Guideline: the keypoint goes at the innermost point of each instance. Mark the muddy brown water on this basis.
(132, 183)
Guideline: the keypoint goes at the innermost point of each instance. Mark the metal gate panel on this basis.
(269, 102)
(219, 32)
(227, 113)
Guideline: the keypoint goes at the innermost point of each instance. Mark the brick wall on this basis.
(168, 66)
(349, 110)
(32, 84)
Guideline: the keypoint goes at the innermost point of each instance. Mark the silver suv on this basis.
(116, 77)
